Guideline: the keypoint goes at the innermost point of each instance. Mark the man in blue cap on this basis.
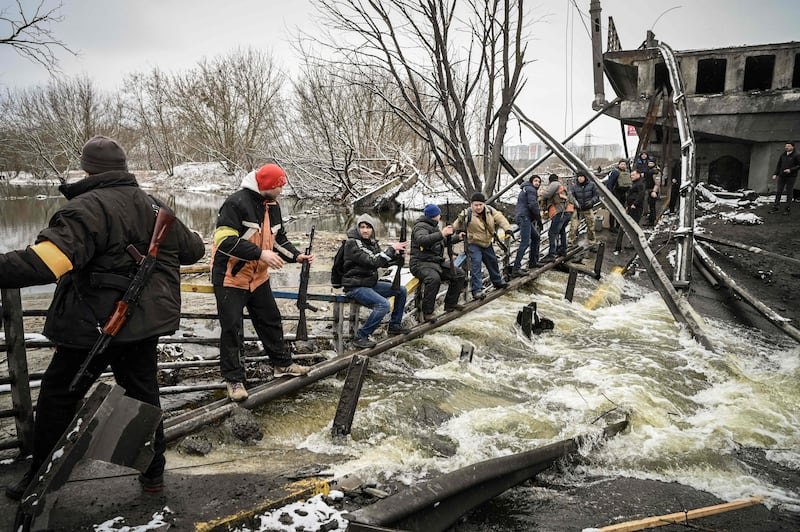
(428, 264)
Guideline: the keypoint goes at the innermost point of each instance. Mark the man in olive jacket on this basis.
(429, 265)
(83, 248)
(480, 223)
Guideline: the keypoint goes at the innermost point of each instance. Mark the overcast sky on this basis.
(118, 37)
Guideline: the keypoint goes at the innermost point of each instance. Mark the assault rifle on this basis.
(125, 306)
(402, 259)
(302, 292)
(449, 241)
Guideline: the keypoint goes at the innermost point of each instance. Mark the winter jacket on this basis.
(635, 196)
(585, 195)
(649, 175)
(557, 199)
(428, 243)
(84, 248)
(481, 228)
(247, 224)
(528, 203)
(790, 161)
(363, 257)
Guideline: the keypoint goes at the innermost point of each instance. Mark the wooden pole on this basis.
(681, 517)
(18, 368)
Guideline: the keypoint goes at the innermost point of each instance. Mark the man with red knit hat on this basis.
(249, 241)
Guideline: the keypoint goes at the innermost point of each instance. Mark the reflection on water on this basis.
(25, 210)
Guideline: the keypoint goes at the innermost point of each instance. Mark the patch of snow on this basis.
(743, 218)
(156, 523)
(309, 515)
(203, 177)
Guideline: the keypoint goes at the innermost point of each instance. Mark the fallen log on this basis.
(746, 247)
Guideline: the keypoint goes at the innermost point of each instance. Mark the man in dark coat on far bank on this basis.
(83, 248)
(786, 175)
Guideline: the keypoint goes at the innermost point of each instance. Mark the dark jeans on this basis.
(558, 231)
(674, 196)
(479, 256)
(651, 205)
(431, 276)
(528, 236)
(375, 298)
(785, 183)
(266, 320)
(134, 367)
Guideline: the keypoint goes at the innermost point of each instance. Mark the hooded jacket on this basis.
(528, 203)
(84, 248)
(363, 257)
(247, 224)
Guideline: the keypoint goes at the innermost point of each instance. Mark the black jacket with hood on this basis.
(84, 247)
(363, 257)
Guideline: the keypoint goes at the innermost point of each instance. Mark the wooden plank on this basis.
(681, 517)
(18, 367)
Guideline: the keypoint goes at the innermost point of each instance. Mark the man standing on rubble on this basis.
(786, 175)
(585, 194)
(85, 250)
(619, 182)
(249, 241)
(528, 216)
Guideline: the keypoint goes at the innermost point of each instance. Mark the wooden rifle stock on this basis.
(302, 292)
(402, 259)
(125, 306)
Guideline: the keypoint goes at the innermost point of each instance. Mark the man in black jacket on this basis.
(428, 264)
(249, 241)
(634, 200)
(362, 258)
(786, 174)
(585, 194)
(83, 248)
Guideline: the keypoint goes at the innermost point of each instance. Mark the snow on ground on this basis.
(744, 218)
(313, 514)
(203, 177)
(156, 523)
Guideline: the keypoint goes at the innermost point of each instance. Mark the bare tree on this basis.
(231, 108)
(52, 123)
(456, 68)
(148, 97)
(28, 30)
(344, 135)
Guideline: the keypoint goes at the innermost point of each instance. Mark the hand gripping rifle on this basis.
(302, 292)
(402, 259)
(125, 306)
(449, 241)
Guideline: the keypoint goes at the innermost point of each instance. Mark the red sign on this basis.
(632, 131)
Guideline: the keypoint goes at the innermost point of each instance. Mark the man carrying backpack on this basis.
(428, 264)
(619, 182)
(480, 222)
(362, 258)
(560, 209)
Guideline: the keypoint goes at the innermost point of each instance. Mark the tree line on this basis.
(383, 89)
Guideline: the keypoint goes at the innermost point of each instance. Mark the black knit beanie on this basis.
(553, 178)
(102, 154)
(478, 197)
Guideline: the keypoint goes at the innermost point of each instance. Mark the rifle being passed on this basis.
(125, 306)
(402, 259)
(302, 292)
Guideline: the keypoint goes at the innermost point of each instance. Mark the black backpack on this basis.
(337, 270)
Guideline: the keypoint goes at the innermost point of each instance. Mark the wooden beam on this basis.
(681, 517)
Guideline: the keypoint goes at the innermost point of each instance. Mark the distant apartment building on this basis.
(521, 153)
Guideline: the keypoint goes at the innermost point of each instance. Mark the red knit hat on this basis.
(270, 176)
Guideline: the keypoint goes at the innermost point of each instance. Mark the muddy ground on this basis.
(199, 492)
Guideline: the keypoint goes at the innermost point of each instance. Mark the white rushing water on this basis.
(694, 413)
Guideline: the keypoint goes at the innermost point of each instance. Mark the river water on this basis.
(697, 417)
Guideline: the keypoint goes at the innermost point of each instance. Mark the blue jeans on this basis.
(527, 229)
(557, 223)
(375, 298)
(479, 256)
(567, 216)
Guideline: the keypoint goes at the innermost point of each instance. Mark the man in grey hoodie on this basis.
(362, 258)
